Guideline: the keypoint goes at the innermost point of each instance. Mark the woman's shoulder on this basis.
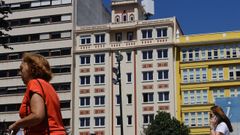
(222, 126)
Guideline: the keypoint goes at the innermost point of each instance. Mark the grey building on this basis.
(45, 27)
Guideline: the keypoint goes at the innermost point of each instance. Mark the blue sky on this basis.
(200, 16)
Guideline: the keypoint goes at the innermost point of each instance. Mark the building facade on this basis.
(45, 27)
(208, 67)
(147, 71)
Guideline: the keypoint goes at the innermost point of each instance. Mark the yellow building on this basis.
(208, 67)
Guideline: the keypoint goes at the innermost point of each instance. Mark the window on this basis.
(163, 75)
(214, 74)
(197, 55)
(148, 118)
(220, 73)
(99, 79)
(124, 16)
(204, 75)
(45, 2)
(184, 55)
(65, 34)
(147, 76)
(129, 99)
(84, 60)
(186, 119)
(228, 52)
(99, 58)
(147, 97)
(118, 37)
(84, 80)
(44, 36)
(199, 119)
(234, 52)
(118, 120)
(99, 121)
(117, 18)
(162, 53)
(129, 117)
(84, 101)
(147, 33)
(196, 119)
(222, 53)
(193, 119)
(191, 75)
(131, 17)
(147, 55)
(206, 119)
(185, 76)
(118, 100)
(231, 73)
(99, 38)
(163, 96)
(217, 73)
(84, 122)
(203, 54)
(129, 56)
(235, 91)
(198, 74)
(55, 35)
(185, 97)
(66, 18)
(99, 100)
(35, 20)
(215, 53)
(192, 97)
(204, 96)
(129, 35)
(86, 39)
(129, 77)
(195, 97)
(162, 32)
(190, 55)
(218, 93)
(210, 54)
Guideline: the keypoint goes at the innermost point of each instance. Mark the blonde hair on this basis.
(38, 65)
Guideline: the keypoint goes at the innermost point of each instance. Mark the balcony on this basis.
(124, 44)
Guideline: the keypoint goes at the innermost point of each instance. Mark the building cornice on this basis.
(125, 25)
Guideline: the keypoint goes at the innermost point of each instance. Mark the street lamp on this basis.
(117, 80)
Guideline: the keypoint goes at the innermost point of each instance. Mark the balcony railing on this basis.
(124, 44)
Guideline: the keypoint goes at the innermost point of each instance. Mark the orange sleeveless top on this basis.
(52, 102)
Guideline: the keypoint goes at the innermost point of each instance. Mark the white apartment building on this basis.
(147, 71)
(44, 27)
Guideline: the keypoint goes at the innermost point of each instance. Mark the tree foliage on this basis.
(164, 124)
(4, 24)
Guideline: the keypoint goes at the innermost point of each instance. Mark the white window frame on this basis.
(99, 100)
(99, 121)
(147, 75)
(165, 96)
(99, 79)
(86, 122)
(86, 101)
(85, 39)
(163, 74)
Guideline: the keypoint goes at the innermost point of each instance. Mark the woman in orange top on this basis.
(40, 109)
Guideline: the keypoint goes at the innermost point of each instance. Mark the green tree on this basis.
(4, 24)
(164, 124)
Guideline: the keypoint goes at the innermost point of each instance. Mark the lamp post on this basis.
(116, 81)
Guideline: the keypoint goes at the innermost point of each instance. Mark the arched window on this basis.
(117, 18)
(131, 17)
(124, 16)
